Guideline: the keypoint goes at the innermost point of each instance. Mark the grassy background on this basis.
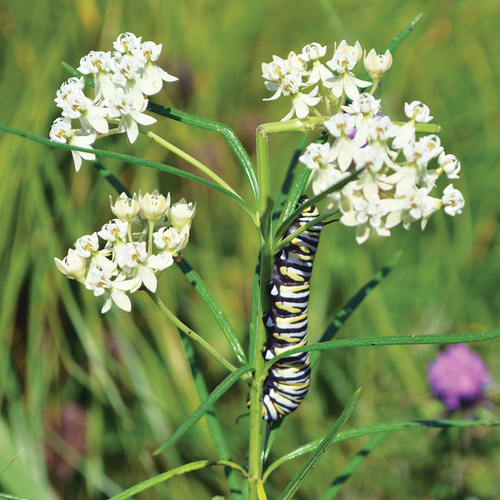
(88, 398)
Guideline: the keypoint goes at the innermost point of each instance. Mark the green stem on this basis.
(262, 146)
(179, 152)
(190, 333)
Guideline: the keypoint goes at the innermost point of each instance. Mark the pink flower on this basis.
(458, 377)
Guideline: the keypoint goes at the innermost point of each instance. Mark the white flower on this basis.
(153, 76)
(300, 101)
(113, 290)
(416, 205)
(367, 216)
(364, 107)
(453, 200)
(296, 64)
(450, 165)
(154, 206)
(126, 74)
(127, 43)
(416, 112)
(275, 71)
(341, 125)
(114, 230)
(370, 161)
(171, 240)
(62, 132)
(313, 51)
(99, 64)
(125, 208)
(121, 107)
(377, 65)
(315, 155)
(86, 245)
(181, 214)
(76, 105)
(73, 265)
(133, 259)
(343, 61)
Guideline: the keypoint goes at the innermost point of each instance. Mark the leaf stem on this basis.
(182, 154)
(191, 334)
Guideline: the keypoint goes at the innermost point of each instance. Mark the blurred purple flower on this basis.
(458, 377)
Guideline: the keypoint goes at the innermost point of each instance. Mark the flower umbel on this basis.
(127, 260)
(458, 378)
(122, 82)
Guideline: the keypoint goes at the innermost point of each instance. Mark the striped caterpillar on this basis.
(286, 323)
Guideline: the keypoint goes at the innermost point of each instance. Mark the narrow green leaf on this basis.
(447, 338)
(214, 427)
(353, 303)
(295, 483)
(403, 34)
(351, 467)
(395, 43)
(385, 427)
(203, 291)
(129, 159)
(183, 469)
(226, 132)
(220, 390)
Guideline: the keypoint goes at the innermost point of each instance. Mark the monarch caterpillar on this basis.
(286, 323)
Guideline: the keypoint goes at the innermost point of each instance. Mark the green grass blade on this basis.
(353, 303)
(183, 469)
(219, 391)
(203, 291)
(226, 132)
(214, 427)
(351, 467)
(295, 483)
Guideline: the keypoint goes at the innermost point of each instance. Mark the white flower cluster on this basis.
(309, 82)
(396, 171)
(127, 261)
(122, 81)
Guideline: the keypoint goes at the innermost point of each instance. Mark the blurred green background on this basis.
(88, 398)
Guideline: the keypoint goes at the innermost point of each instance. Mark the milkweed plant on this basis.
(359, 166)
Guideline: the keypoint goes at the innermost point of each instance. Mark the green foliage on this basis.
(127, 387)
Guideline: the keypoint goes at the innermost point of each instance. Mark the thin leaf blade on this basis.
(219, 391)
(295, 483)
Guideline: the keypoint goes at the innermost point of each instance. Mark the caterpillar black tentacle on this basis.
(286, 323)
